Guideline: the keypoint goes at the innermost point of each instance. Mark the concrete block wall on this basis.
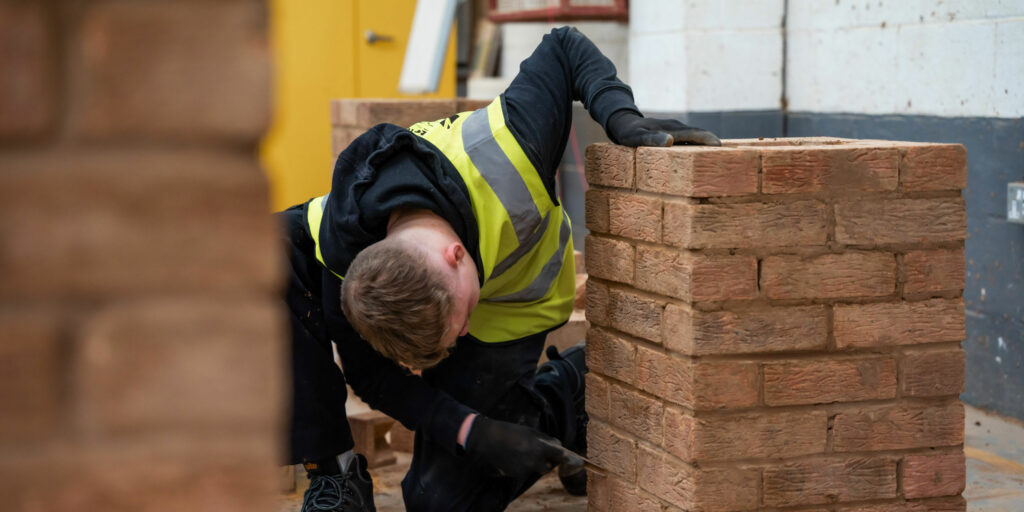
(898, 51)
(141, 338)
(776, 325)
(690, 56)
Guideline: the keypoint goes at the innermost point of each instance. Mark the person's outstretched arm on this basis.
(566, 67)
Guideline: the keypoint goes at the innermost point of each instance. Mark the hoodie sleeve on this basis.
(565, 67)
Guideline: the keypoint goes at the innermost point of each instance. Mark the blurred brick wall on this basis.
(141, 342)
(777, 326)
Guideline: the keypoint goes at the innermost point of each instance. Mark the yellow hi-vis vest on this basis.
(526, 248)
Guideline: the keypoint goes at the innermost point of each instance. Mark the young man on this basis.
(443, 248)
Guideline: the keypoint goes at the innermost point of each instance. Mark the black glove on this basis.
(515, 450)
(630, 129)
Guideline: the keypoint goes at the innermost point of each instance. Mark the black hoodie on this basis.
(388, 167)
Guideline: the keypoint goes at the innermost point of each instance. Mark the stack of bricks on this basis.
(142, 350)
(776, 326)
(350, 117)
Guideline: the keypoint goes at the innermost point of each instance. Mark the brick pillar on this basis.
(141, 335)
(776, 324)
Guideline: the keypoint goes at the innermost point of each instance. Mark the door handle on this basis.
(373, 37)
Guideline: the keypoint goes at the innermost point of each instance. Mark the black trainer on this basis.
(332, 490)
(572, 365)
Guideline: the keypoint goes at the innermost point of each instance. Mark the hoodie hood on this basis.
(384, 169)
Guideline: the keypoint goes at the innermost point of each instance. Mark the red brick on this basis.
(402, 439)
(596, 210)
(342, 136)
(925, 476)
(694, 277)
(469, 104)
(134, 222)
(610, 259)
(158, 474)
(837, 168)
(786, 141)
(628, 498)
(823, 381)
(898, 427)
(30, 374)
(826, 481)
(635, 413)
(900, 323)
(933, 271)
(598, 398)
(680, 437)
(368, 432)
(654, 373)
(569, 334)
(934, 167)
(171, 71)
(744, 436)
(611, 451)
(697, 171)
(697, 384)
(580, 301)
(177, 364)
(366, 112)
(610, 165)
(724, 385)
(901, 221)
(634, 216)
(830, 276)
(933, 373)
(597, 299)
(703, 226)
(598, 490)
(608, 493)
(712, 490)
(27, 87)
(608, 354)
(951, 504)
(777, 329)
(635, 314)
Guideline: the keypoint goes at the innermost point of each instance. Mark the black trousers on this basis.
(497, 380)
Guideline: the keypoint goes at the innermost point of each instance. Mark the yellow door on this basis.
(321, 52)
(382, 32)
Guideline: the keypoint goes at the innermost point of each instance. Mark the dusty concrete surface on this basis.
(995, 463)
(546, 495)
(995, 475)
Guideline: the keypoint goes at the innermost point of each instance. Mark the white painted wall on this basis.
(519, 39)
(701, 55)
(929, 57)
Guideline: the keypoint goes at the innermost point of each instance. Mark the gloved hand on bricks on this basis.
(515, 450)
(628, 128)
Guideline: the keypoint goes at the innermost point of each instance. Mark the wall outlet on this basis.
(1015, 202)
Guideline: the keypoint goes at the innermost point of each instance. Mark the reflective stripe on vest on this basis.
(314, 214)
(525, 239)
(526, 248)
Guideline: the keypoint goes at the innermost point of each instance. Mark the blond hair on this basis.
(398, 302)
